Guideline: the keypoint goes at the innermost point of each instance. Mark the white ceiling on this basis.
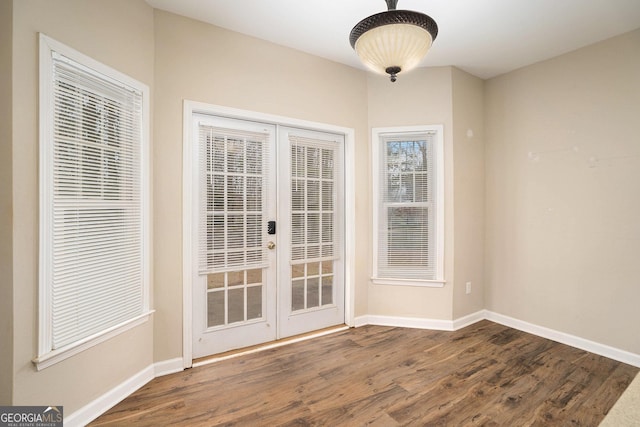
(483, 37)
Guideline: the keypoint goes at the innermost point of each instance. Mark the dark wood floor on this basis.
(485, 374)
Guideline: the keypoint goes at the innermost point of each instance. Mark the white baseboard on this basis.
(108, 400)
(167, 367)
(411, 322)
(117, 394)
(469, 319)
(421, 323)
(361, 321)
(564, 338)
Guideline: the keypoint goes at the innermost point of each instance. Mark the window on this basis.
(94, 267)
(233, 191)
(408, 206)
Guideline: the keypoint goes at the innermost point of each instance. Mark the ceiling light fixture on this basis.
(393, 41)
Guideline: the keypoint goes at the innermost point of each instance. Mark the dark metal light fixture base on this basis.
(393, 73)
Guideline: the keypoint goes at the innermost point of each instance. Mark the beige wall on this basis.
(563, 193)
(468, 183)
(559, 231)
(200, 62)
(6, 236)
(421, 97)
(118, 33)
(453, 98)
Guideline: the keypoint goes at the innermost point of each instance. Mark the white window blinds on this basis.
(93, 245)
(233, 189)
(407, 206)
(314, 174)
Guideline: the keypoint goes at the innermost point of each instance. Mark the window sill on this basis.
(409, 282)
(63, 353)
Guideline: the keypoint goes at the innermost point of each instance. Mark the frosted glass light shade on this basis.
(393, 41)
(394, 45)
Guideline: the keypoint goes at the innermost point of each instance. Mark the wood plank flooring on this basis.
(485, 374)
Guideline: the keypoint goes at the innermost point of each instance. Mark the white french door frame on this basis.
(193, 107)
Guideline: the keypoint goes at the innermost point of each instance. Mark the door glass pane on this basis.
(254, 231)
(217, 153)
(215, 308)
(327, 163)
(327, 196)
(235, 155)
(327, 290)
(297, 295)
(235, 278)
(215, 280)
(313, 251)
(254, 194)
(254, 276)
(297, 195)
(313, 162)
(236, 305)
(313, 268)
(217, 229)
(327, 251)
(254, 302)
(313, 195)
(254, 157)
(313, 292)
(327, 267)
(216, 200)
(313, 229)
(235, 193)
(235, 231)
(297, 161)
(297, 270)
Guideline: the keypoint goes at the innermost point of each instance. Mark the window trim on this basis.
(46, 356)
(376, 135)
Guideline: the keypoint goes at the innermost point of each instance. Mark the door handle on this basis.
(271, 245)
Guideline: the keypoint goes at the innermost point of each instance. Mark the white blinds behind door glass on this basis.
(314, 176)
(96, 236)
(233, 199)
(406, 234)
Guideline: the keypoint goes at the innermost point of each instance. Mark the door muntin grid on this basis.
(234, 297)
(234, 216)
(314, 237)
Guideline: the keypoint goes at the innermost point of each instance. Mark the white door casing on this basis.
(344, 223)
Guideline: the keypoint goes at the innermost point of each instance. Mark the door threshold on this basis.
(207, 360)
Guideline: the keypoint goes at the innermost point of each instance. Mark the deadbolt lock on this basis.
(271, 245)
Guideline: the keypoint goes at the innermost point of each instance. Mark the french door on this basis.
(268, 258)
(311, 268)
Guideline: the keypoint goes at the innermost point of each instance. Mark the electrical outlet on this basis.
(468, 287)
